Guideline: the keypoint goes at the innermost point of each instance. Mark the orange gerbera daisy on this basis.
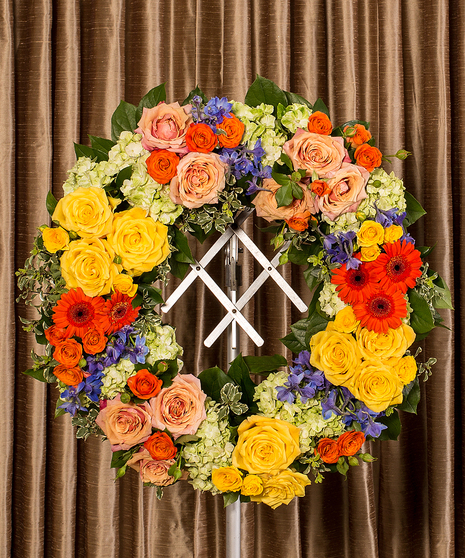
(399, 266)
(353, 285)
(383, 309)
(119, 312)
(78, 312)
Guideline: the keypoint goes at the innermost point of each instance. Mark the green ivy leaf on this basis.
(265, 91)
(123, 119)
(421, 320)
(414, 210)
(50, 203)
(411, 393)
(212, 380)
(150, 100)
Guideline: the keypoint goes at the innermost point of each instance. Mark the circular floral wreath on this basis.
(176, 169)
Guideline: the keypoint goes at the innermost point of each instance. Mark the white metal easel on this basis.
(233, 305)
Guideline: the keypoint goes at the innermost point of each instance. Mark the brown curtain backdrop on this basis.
(65, 65)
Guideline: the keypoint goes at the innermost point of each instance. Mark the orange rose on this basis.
(368, 157)
(320, 188)
(69, 376)
(68, 353)
(144, 384)
(299, 222)
(234, 129)
(328, 450)
(94, 341)
(55, 335)
(160, 446)
(360, 135)
(162, 165)
(319, 123)
(350, 442)
(201, 138)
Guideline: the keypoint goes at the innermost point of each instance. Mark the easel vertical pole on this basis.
(233, 511)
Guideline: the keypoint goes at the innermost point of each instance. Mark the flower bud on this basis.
(82, 363)
(162, 366)
(402, 154)
(125, 397)
(360, 216)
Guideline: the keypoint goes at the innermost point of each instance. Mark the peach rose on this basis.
(315, 152)
(199, 178)
(347, 190)
(124, 424)
(267, 207)
(180, 407)
(165, 127)
(150, 470)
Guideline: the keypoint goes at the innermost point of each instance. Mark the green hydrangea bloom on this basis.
(116, 377)
(212, 450)
(295, 116)
(87, 173)
(162, 345)
(329, 300)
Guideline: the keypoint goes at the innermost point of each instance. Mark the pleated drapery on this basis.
(66, 64)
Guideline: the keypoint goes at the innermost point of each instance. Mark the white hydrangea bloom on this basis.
(212, 450)
(296, 116)
(162, 345)
(163, 209)
(306, 416)
(87, 173)
(128, 150)
(329, 300)
(116, 377)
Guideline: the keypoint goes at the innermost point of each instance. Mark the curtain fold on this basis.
(66, 64)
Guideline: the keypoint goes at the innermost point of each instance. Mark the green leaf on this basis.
(295, 98)
(121, 457)
(315, 323)
(414, 210)
(193, 93)
(411, 394)
(286, 160)
(342, 466)
(184, 253)
(425, 250)
(265, 91)
(393, 427)
(84, 151)
(186, 438)
(178, 269)
(320, 106)
(123, 119)
(50, 203)
(297, 191)
(312, 277)
(292, 343)
(264, 364)
(230, 498)
(212, 380)
(443, 299)
(124, 174)
(280, 178)
(421, 319)
(284, 195)
(37, 374)
(152, 292)
(340, 129)
(199, 233)
(59, 412)
(239, 372)
(151, 99)
(299, 329)
(101, 145)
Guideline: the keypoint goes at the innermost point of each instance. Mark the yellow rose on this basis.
(377, 385)
(265, 444)
(55, 239)
(141, 242)
(227, 479)
(393, 234)
(85, 211)
(252, 485)
(124, 284)
(370, 233)
(406, 369)
(337, 354)
(89, 264)
(369, 253)
(281, 488)
(345, 320)
(391, 344)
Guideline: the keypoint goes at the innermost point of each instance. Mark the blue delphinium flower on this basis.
(216, 109)
(340, 248)
(72, 400)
